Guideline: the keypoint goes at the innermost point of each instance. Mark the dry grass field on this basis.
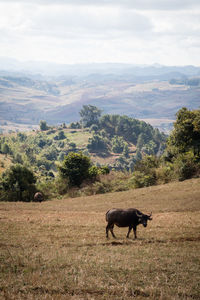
(58, 250)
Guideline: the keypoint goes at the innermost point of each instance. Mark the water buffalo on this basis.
(130, 217)
(38, 197)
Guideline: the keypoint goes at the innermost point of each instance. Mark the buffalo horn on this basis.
(138, 215)
(150, 216)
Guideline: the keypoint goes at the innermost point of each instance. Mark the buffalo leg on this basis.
(134, 230)
(107, 229)
(129, 230)
(110, 227)
(111, 230)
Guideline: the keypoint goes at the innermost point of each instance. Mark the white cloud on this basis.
(89, 22)
(140, 31)
(136, 4)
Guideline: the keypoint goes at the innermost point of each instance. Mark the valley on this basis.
(144, 94)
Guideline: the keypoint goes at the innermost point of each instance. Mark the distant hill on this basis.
(32, 92)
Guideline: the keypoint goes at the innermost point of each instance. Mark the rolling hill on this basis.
(139, 92)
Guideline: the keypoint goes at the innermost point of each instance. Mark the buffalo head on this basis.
(142, 218)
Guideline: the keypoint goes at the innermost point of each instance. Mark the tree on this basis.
(97, 143)
(90, 115)
(118, 144)
(72, 147)
(75, 168)
(18, 158)
(50, 153)
(75, 125)
(145, 171)
(94, 128)
(18, 183)
(60, 135)
(126, 150)
(140, 141)
(43, 125)
(5, 149)
(138, 155)
(21, 136)
(186, 133)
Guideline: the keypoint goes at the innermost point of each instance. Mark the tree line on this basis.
(49, 162)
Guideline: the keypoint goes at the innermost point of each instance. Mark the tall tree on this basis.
(90, 115)
(186, 133)
(43, 125)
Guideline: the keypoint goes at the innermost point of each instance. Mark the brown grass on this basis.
(58, 250)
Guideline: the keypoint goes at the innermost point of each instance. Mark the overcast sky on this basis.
(81, 31)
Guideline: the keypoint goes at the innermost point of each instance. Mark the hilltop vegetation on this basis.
(112, 140)
(113, 137)
(132, 151)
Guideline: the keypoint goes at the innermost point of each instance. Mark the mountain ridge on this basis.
(145, 93)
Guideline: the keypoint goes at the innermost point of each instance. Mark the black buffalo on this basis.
(130, 217)
(38, 197)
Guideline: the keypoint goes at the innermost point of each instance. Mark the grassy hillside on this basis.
(58, 250)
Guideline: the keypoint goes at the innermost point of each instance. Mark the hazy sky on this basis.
(81, 31)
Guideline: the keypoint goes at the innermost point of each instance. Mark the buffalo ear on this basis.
(150, 219)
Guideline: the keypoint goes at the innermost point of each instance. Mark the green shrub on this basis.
(75, 168)
(165, 174)
(97, 188)
(118, 144)
(104, 170)
(93, 172)
(17, 184)
(60, 135)
(140, 179)
(97, 144)
(185, 166)
(54, 188)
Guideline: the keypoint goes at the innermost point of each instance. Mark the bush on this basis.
(60, 135)
(75, 167)
(97, 144)
(93, 173)
(118, 144)
(18, 184)
(5, 149)
(140, 179)
(54, 187)
(104, 170)
(74, 125)
(185, 166)
(97, 188)
(165, 174)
